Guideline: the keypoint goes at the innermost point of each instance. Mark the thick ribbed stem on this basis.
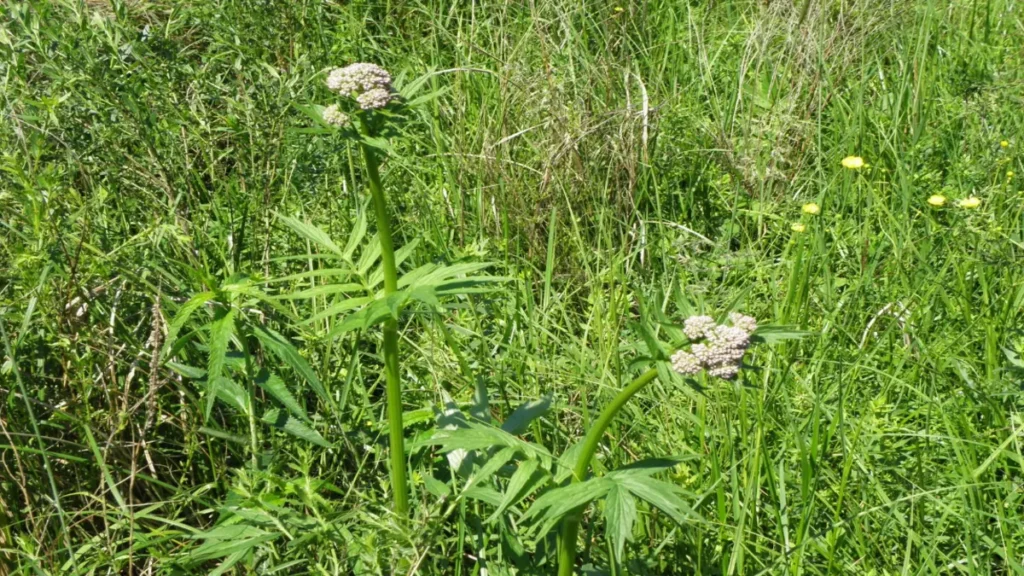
(399, 483)
(571, 524)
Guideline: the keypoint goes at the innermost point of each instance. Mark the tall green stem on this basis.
(571, 525)
(391, 374)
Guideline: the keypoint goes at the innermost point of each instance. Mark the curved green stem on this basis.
(571, 525)
(399, 483)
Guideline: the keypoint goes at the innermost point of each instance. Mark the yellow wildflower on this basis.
(937, 200)
(811, 208)
(1009, 174)
(798, 227)
(1004, 144)
(970, 202)
(853, 162)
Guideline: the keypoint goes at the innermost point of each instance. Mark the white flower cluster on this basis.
(722, 350)
(335, 117)
(696, 326)
(374, 99)
(742, 321)
(369, 84)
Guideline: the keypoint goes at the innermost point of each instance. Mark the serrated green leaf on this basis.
(425, 294)
(317, 273)
(480, 408)
(223, 435)
(525, 480)
(325, 290)
(400, 256)
(374, 313)
(490, 467)
(338, 308)
(527, 412)
(184, 313)
(356, 235)
(277, 388)
(437, 487)
(221, 331)
(484, 494)
(283, 421)
(554, 505)
(436, 274)
(193, 372)
(620, 514)
(311, 233)
(473, 285)
(228, 540)
(661, 495)
(283, 349)
(476, 436)
(368, 257)
(229, 392)
(567, 462)
(229, 562)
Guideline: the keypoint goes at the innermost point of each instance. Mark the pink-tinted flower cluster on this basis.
(722, 349)
(369, 84)
(335, 117)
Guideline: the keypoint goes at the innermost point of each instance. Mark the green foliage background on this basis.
(610, 158)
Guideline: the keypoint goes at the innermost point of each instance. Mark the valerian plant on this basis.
(501, 469)
(368, 111)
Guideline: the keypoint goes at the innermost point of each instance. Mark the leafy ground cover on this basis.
(576, 180)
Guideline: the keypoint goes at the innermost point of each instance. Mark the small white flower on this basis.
(354, 79)
(685, 363)
(729, 338)
(743, 322)
(374, 99)
(726, 371)
(696, 327)
(335, 117)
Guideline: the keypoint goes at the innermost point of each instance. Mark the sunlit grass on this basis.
(618, 164)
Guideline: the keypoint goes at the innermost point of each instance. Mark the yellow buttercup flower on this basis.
(1004, 144)
(970, 202)
(811, 208)
(853, 162)
(798, 227)
(937, 200)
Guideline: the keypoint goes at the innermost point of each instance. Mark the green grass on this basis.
(611, 160)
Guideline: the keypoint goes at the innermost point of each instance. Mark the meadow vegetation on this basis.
(201, 332)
